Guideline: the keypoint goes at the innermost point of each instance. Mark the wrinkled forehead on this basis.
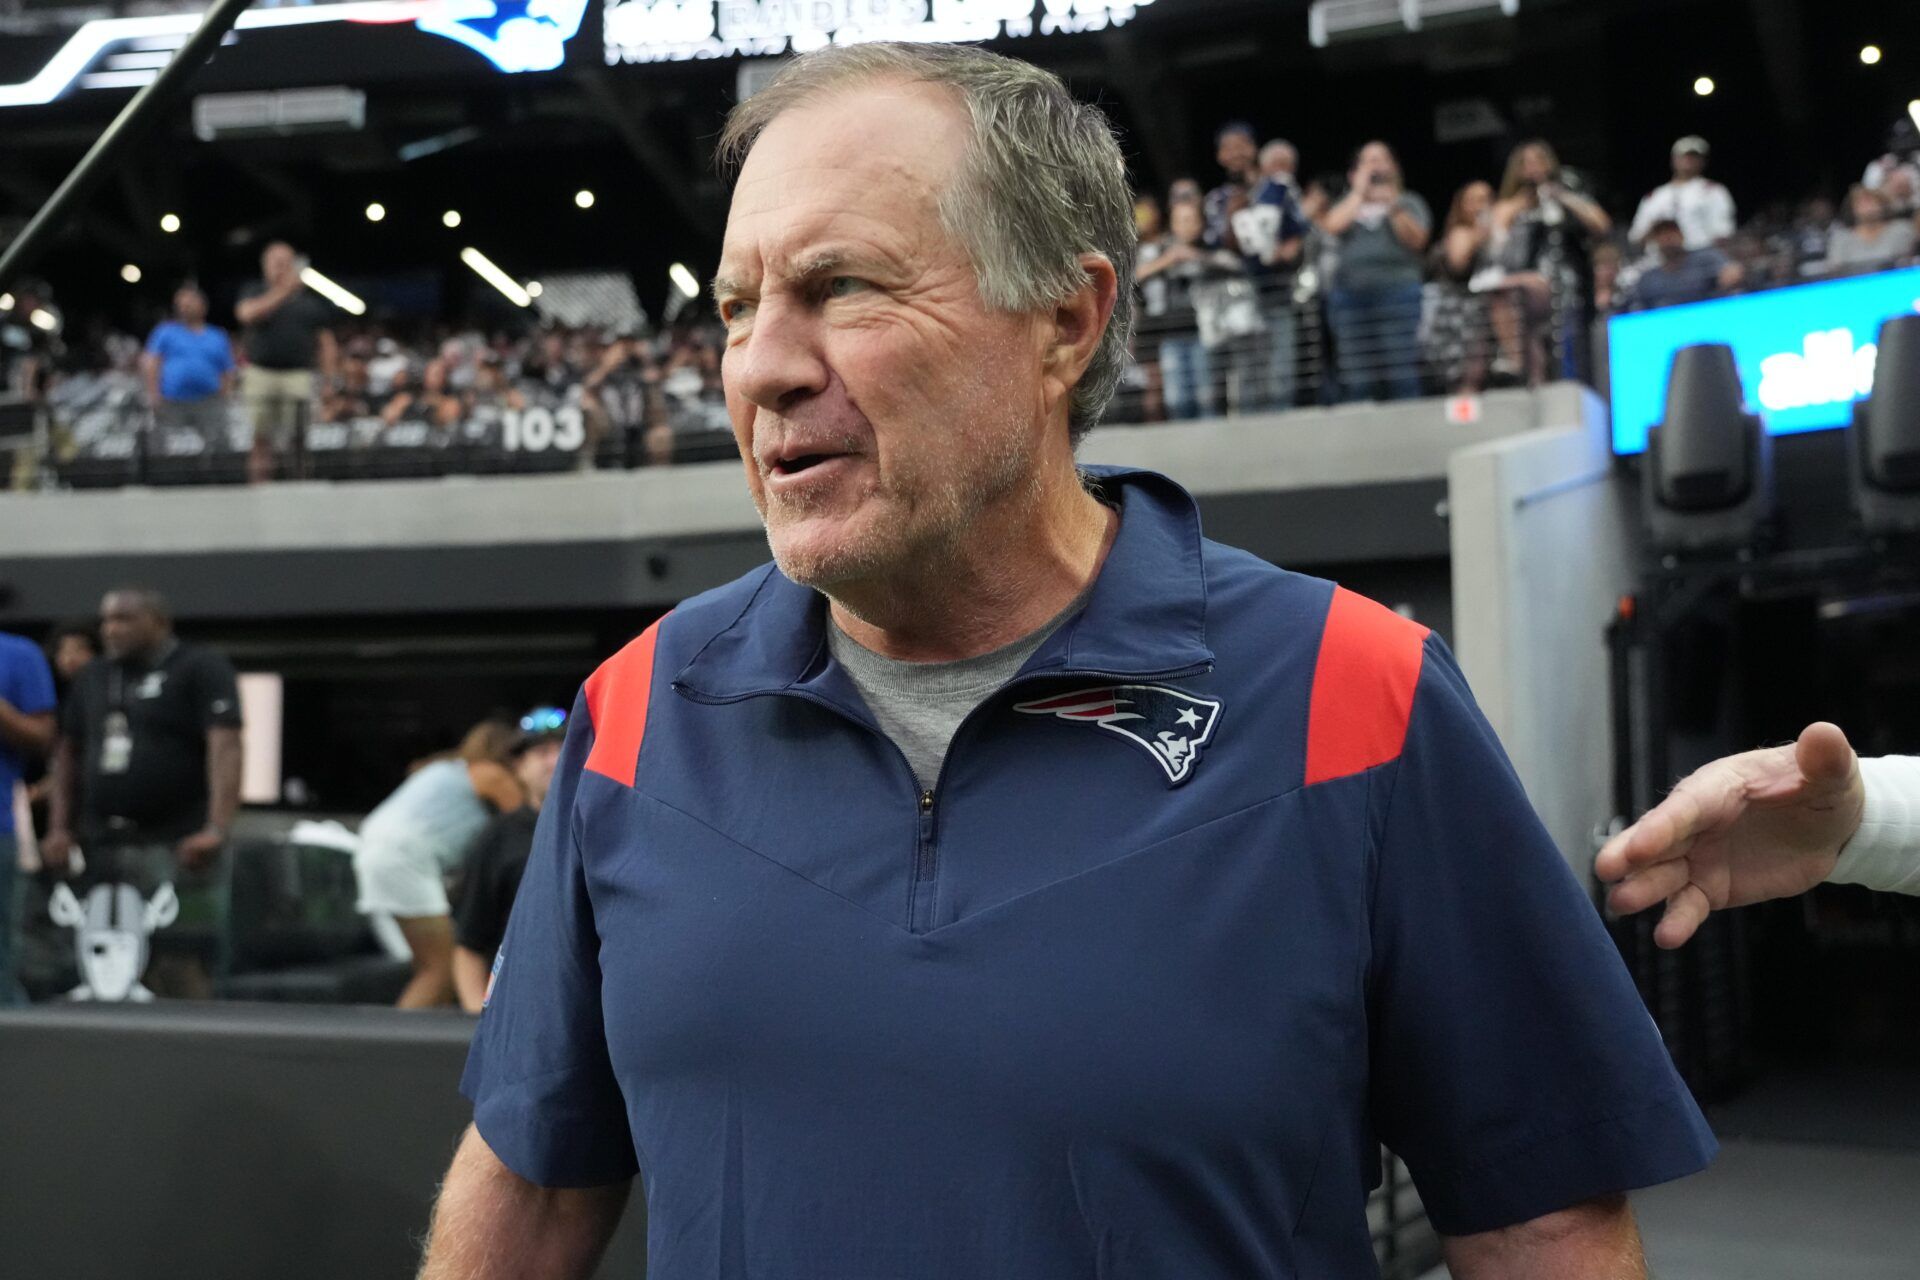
(866, 166)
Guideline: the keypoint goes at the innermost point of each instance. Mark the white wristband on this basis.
(1885, 852)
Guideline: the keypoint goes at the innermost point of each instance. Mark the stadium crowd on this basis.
(1265, 291)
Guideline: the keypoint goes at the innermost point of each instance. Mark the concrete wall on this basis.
(1543, 539)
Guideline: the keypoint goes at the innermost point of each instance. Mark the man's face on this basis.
(534, 768)
(879, 406)
(1669, 241)
(190, 305)
(1688, 164)
(1278, 161)
(128, 626)
(71, 654)
(276, 263)
(1235, 152)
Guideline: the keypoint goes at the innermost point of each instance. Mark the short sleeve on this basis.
(539, 1076)
(216, 692)
(1514, 1067)
(29, 682)
(157, 341)
(1417, 206)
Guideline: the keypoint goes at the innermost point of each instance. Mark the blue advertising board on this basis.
(1805, 353)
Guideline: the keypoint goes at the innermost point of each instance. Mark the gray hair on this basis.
(1043, 181)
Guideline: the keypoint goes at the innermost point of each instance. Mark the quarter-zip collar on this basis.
(1146, 614)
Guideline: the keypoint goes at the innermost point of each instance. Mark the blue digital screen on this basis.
(1805, 353)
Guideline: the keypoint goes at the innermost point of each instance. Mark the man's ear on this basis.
(1080, 320)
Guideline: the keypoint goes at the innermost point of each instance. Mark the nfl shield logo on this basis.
(1169, 725)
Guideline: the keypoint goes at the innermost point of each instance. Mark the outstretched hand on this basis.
(1743, 829)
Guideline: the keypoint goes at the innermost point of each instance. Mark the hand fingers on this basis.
(1644, 888)
(1824, 755)
(1686, 910)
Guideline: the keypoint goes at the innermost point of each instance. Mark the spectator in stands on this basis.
(491, 876)
(28, 348)
(1812, 227)
(1677, 274)
(418, 835)
(1873, 238)
(71, 647)
(1239, 355)
(1903, 147)
(1702, 207)
(286, 340)
(622, 401)
(1540, 232)
(349, 393)
(1271, 232)
(1183, 190)
(188, 368)
(1280, 162)
(26, 731)
(1182, 262)
(1607, 264)
(146, 778)
(1458, 347)
(1901, 187)
(1373, 302)
(1149, 322)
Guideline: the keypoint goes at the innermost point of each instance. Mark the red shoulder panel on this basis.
(1363, 685)
(617, 696)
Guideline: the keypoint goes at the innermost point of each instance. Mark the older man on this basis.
(1007, 881)
(286, 338)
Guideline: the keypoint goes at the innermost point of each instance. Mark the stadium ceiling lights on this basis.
(43, 319)
(484, 267)
(583, 198)
(332, 292)
(534, 289)
(1870, 54)
(1913, 112)
(450, 219)
(169, 222)
(1331, 21)
(1704, 86)
(683, 279)
(130, 273)
(376, 211)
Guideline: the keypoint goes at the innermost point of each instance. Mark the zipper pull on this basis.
(926, 802)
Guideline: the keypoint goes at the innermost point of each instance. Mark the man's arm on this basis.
(1409, 227)
(492, 1224)
(58, 843)
(1593, 1241)
(469, 977)
(261, 305)
(24, 731)
(223, 797)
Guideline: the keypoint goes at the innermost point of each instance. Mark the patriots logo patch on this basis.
(1169, 725)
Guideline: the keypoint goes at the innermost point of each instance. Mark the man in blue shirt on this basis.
(1007, 881)
(189, 368)
(26, 728)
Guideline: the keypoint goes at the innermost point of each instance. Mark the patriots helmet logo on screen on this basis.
(1171, 725)
(514, 35)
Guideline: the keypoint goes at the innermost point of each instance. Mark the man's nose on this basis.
(781, 361)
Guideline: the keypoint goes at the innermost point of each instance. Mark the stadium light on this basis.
(484, 268)
(43, 319)
(1913, 112)
(6, 302)
(450, 219)
(376, 211)
(583, 198)
(130, 273)
(533, 289)
(683, 279)
(1704, 86)
(332, 292)
(1870, 54)
(169, 222)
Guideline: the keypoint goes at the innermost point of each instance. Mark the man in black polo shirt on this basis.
(147, 778)
(491, 876)
(285, 337)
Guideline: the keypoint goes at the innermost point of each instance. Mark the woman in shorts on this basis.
(418, 834)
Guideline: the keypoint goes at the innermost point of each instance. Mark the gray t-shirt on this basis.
(920, 704)
(1371, 255)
